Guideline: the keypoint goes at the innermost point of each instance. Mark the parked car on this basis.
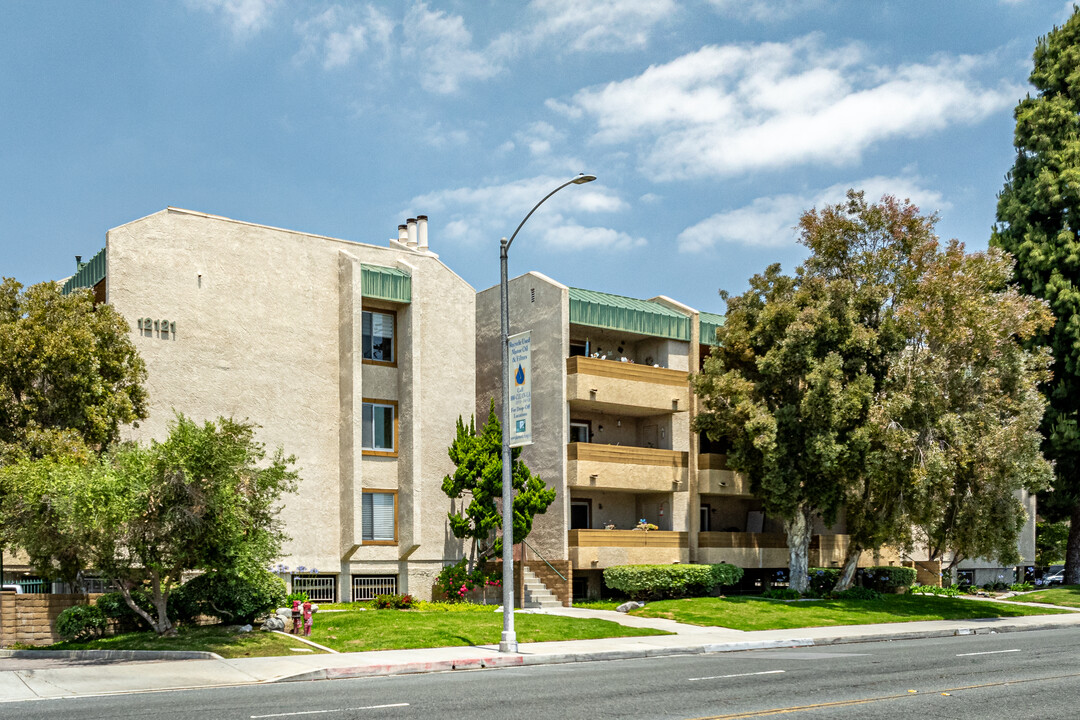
(17, 589)
(1056, 579)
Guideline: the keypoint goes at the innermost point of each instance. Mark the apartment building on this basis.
(612, 434)
(356, 358)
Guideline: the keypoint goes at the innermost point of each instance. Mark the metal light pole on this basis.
(508, 643)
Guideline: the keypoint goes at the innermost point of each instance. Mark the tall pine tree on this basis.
(1038, 220)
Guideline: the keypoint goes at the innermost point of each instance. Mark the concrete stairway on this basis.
(536, 593)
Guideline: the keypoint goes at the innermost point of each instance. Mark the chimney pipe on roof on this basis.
(421, 232)
(411, 224)
(78, 262)
(402, 234)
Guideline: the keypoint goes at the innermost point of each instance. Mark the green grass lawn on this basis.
(447, 626)
(220, 639)
(1065, 595)
(437, 625)
(753, 613)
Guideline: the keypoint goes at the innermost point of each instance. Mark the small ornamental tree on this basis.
(478, 474)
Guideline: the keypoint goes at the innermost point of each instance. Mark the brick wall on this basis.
(31, 619)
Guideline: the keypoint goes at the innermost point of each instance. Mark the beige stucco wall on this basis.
(539, 304)
(268, 328)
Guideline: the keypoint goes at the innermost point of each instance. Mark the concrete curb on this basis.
(111, 654)
(519, 660)
(407, 668)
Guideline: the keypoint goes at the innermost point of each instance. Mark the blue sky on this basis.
(711, 125)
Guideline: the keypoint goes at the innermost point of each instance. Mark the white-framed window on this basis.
(380, 425)
(378, 335)
(379, 516)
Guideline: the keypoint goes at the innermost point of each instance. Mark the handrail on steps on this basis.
(526, 542)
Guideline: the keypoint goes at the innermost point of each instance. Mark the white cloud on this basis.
(489, 212)
(538, 137)
(439, 137)
(564, 109)
(593, 26)
(338, 35)
(727, 110)
(765, 10)
(772, 221)
(244, 18)
(441, 47)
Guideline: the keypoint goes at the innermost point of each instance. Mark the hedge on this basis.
(886, 578)
(823, 580)
(653, 582)
(80, 622)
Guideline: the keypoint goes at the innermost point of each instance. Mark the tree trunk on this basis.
(161, 600)
(851, 564)
(798, 530)
(1072, 550)
(126, 593)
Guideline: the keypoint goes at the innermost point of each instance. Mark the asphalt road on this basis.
(1011, 675)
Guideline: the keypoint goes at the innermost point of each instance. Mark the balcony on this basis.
(625, 468)
(714, 477)
(769, 550)
(608, 386)
(592, 549)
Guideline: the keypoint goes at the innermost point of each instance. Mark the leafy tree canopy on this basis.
(205, 498)
(69, 373)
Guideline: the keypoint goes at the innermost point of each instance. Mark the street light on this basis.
(508, 642)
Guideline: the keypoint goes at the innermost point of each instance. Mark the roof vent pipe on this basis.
(402, 234)
(421, 231)
(411, 223)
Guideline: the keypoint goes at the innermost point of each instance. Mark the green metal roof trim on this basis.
(385, 283)
(89, 275)
(615, 312)
(707, 326)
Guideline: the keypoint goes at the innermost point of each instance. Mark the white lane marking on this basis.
(721, 677)
(318, 712)
(988, 652)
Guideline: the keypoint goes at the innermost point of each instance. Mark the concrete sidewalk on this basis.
(129, 672)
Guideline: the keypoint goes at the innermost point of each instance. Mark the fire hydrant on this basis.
(296, 617)
(309, 620)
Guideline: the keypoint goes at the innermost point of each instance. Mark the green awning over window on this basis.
(89, 275)
(615, 312)
(385, 283)
(707, 326)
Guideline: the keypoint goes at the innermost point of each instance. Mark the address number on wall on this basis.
(164, 329)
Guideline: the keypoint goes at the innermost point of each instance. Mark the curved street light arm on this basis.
(579, 180)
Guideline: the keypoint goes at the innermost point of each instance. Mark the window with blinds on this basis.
(378, 516)
(378, 336)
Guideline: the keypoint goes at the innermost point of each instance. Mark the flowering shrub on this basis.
(823, 580)
(950, 591)
(392, 602)
(455, 581)
(886, 578)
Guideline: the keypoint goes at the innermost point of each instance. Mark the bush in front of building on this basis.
(114, 608)
(393, 602)
(654, 582)
(823, 580)
(81, 622)
(233, 596)
(887, 578)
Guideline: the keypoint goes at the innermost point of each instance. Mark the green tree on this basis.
(203, 499)
(783, 388)
(961, 406)
(478, 472)
(885, 377)
(69, 374)
(1038, 217)
(871, 256)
